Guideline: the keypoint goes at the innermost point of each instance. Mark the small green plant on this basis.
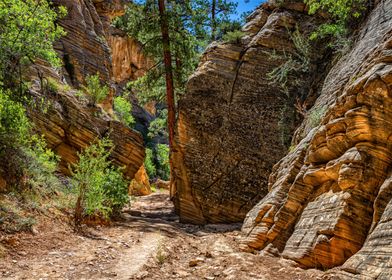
(233, 37)
(315, 116)
(40, 165)
(297, 62)
(163, 166)
(123, 109)
(158, 127)
(161, 255)
(149, 163)
(55, 86)
(102, 189)
(95, 89)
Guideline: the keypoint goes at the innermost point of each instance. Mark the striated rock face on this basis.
(69, 127)
(129, 63)
(84, 49)
(329, 200)
(233, 124)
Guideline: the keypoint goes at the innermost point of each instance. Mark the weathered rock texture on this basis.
(330, 199)
(69, 126)
(84, 49)
(140, 185)
(233, 124)
(129, 62)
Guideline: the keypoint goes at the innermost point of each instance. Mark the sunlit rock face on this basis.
(233, 123)
(84, 49)
(128, 60)
(329, 200)
(68, 124)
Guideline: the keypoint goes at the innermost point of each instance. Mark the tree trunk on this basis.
(213, 20)
(169, 84)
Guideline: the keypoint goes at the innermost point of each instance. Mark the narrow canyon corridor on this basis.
(148, 243)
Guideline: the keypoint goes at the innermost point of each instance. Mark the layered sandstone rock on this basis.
(84, 49)
(129, 62)
(140, 185)
(233, 124)
(331, 196)
(70, 126)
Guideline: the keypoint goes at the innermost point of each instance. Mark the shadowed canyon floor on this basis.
(148, 243)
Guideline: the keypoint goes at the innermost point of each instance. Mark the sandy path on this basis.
(148, 243)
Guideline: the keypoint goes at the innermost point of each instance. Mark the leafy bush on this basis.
(149, 163)
(233, 37)
(26, 155)
(123, 109)
(40, 165)
(102, 188)
(28, 31)
(14, 125)
(95, 89)
(163, 166)
(158, 127)
(296, 62)
(341, 13)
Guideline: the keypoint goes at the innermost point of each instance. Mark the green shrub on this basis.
(233, 37)
(149, 164)
(102, 188)
(14, 125)
(123, 109)
(297, 62)
(95, 89)
(163, 166)
(40, 165)
(23, 154)
(158, 127)
(341, 12)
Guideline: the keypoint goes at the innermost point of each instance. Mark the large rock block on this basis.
(333, 188)
(233, 124)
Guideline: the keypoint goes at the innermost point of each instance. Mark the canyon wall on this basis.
(234, 124)
(69, 124)
(329, 200)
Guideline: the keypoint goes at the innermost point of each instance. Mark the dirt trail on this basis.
(148, 243)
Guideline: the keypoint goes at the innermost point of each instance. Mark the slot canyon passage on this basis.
(280, 165)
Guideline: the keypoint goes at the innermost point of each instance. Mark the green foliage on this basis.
(40, 165)
(341, 13)
(96, 91)
(123, 109)
(233, 37)
(316, 115)
(190, 29)
(163, 165)
(297, 62)
(158, 126)
(102, 188)
(149, 164)
(27, 32)
(24, 155)
(14, 125)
